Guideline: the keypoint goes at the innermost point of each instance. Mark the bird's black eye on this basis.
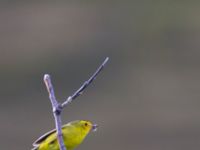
(86, 124)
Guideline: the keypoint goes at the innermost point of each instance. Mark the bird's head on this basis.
(88, 126)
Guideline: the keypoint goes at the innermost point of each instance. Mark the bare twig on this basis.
(57, 107)
(85, 84)
(56, 110)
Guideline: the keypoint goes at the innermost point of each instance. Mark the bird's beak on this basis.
(94, 127)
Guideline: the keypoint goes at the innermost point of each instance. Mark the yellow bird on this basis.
(73, 134)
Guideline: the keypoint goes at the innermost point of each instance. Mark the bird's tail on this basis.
(35, 148)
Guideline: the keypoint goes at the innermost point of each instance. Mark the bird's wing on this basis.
(43, 137)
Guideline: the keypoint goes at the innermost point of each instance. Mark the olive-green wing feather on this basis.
(43, 137)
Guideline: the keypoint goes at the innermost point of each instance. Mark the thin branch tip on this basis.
(107, 58)
(105, 61)
(46, 77)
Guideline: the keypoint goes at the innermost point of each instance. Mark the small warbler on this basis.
(73, 134)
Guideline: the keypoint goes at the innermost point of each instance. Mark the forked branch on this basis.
(57, 107)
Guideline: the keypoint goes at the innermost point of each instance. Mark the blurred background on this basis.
(147, 97)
